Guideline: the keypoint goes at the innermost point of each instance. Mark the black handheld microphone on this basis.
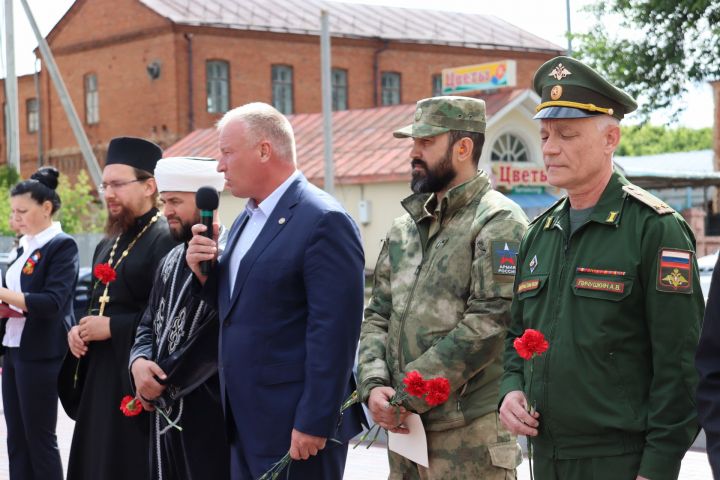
(207, 201)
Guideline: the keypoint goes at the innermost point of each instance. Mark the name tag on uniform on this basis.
(528, 285)
(600, 285)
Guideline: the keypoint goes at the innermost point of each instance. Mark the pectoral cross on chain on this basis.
(103, 300)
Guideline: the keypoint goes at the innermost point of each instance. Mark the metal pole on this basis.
(66, 101)
(327, 103)
(36, 78)
(11, 91)
(569, 30)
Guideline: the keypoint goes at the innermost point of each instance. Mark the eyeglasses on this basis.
(116, 185)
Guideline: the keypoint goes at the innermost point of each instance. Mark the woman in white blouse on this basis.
(38, 294)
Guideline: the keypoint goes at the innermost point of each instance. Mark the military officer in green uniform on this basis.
(441, 300)
(609, 276)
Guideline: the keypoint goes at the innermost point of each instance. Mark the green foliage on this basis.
(650, 140)
(81, 212)
(661, 45)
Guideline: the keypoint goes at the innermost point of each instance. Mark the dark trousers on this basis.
(328, 464)
(619, 467)
(30, 402)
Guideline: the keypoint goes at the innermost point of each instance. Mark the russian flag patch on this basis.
(675, 271)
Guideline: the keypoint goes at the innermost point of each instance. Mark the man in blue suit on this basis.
(289, 291)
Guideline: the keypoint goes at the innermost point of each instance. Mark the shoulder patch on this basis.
(504, 259)
(675, 270)
(643, 196)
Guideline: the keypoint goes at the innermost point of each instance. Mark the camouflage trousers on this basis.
(482, 449)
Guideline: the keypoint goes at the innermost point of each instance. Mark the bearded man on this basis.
(174, 360)
(441, 299)
(94, 379)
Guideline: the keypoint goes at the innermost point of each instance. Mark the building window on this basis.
(509, 148)
(218, 86)
(390, 88)
(339, 89)
(282, 88)
(33, 115)
(437, 85)
(92, 101)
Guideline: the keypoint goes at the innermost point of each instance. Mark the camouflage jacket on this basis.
(441, 300)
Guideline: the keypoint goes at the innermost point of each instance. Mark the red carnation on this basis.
(414, 384)
(130, 406)
(104, 272)
(531, 343)
(438, 391)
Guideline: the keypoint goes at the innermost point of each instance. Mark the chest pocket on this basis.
(611, 287)
(531, 286)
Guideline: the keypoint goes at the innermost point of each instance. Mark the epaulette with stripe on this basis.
(643, 196)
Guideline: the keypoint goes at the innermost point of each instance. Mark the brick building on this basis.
(163, 68)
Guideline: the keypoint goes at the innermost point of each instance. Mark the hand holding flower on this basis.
(382, 411)
(94, 328)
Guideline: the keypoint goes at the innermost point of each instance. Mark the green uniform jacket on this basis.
(620, 303)
(441, 300)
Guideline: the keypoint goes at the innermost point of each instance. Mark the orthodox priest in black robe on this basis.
(174, 359)
(106, 444)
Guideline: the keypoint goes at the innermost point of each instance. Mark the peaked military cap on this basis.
(135, 152)
(571, 89)
(437, 115)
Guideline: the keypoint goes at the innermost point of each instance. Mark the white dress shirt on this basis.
(30, 243)
(257, 216)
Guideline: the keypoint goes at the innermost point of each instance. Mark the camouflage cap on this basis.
(571, 89)
(437, 115)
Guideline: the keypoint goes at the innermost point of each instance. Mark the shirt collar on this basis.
(40, 239)
(268, 205)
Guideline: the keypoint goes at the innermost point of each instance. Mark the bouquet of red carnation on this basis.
(531, 344)
(131, 406)
(435, 391)
(104, 273)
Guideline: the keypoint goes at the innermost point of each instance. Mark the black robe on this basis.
(106, 444)
(180, 333)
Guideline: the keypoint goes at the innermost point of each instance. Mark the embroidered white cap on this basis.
(188, 174)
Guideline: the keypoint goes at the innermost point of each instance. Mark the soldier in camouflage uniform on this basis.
(441, 299)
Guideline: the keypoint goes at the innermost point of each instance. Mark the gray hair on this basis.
(604, 121)
(264, 122)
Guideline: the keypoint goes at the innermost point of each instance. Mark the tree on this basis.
(80, 212)
(661, 46)
(650, 140)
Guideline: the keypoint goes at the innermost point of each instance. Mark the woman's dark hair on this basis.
(41, 187)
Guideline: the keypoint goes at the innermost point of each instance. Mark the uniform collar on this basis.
(608, 209)
(455, 199)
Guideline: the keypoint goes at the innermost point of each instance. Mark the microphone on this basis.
(207, 200)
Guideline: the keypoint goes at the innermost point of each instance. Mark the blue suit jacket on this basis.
(49, 289)
(289, 332)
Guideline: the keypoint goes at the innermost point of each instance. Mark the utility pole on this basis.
(327, 102)
(66, 101)
(569, 30)
(11, 92)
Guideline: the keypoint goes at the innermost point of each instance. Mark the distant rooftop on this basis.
(671, 170)
(355, 21)
(364, 149)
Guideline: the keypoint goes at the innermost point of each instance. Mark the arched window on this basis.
(509, 148)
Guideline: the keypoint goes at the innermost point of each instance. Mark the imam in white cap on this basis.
(188, 174)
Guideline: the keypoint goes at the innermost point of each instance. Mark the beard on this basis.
(183, 232)
(427, 180)
(119, 223)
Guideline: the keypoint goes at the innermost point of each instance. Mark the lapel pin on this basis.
(281, 220)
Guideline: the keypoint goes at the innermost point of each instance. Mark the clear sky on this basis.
(546, 18)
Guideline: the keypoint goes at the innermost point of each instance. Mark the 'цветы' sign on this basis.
(509, 174)
(486, 76)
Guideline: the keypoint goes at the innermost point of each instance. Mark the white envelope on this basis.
(413, 445)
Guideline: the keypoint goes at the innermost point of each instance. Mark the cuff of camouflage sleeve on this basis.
(367, 385)
(658, 466)
(509, 383)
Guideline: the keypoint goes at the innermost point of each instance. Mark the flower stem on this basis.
(167, 419)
